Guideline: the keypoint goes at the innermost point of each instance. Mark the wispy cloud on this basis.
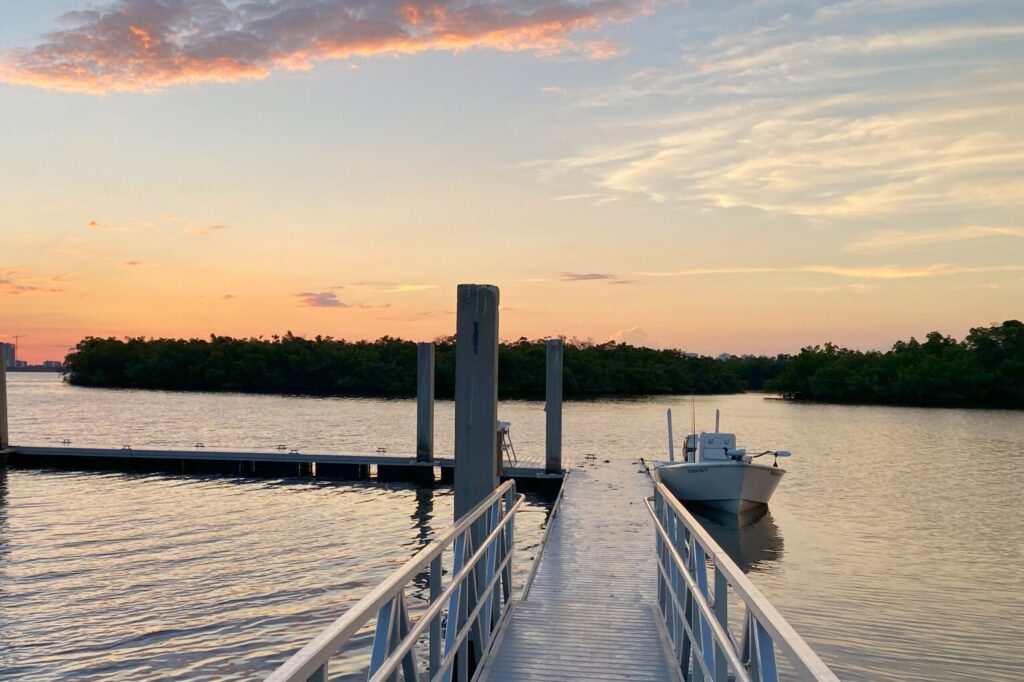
(204, 230)
(841, 126)
(104, 227)
(585, 276)
(889, 239)
(322, 299)
(132, 263)
(14, 281)
(604, 49)
(140, 45)
(394, 288)
(882, 272)
(854, 288)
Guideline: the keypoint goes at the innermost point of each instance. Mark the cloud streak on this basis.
(883, 272)
(889, 239)
(321, 299)
(145, 45)
(16, 281)
(586, 276)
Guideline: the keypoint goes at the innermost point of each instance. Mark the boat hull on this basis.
(729, 486)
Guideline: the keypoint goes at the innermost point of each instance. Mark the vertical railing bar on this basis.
(410, 669)
(434, 638)
(750, 657)
(492, 549)
(721, 607)
(466, 589)
(382, 637)
(696, 620)
(765, 654)
(454, 602)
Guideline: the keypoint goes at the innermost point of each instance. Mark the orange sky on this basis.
(717, 178)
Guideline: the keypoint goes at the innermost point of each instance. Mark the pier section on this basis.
(590, 611)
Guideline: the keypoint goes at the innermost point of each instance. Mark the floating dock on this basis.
(529, 473)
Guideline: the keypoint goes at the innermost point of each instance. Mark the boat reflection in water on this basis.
(750, 538)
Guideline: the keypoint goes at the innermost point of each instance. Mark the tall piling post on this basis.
(5, 441)
(477, 456)
(477, 460)
(425, 412)
(553, 407)
(425, 402)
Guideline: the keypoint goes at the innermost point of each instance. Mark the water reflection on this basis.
(751, 538)
(214, 577)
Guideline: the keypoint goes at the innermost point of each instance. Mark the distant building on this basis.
(9, 357)
(53, 364)
(20, 364)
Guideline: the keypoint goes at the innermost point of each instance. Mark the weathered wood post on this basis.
(553, 407)
(5, 441)
(477, 456)
(477, 460)
(425, 412)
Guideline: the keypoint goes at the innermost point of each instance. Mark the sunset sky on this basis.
(715, 176)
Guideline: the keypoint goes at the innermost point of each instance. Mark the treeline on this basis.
(986, 369)
(386, 367)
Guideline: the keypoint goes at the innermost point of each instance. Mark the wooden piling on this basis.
(553, 407)
(477, 459)
(5, 441)
(424, 402)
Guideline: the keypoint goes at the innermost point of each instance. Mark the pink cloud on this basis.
(142, 45)
(604, 49)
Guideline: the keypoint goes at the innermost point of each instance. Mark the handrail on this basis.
(697, 619)
(483, 542)
(555, 508)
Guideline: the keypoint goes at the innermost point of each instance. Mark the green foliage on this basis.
(985, 370)
(386, 367)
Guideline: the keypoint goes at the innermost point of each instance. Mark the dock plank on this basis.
(589, 614)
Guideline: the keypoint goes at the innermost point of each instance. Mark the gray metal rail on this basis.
(473, 604)
(696, 615)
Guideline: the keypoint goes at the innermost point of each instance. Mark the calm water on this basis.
(893, 545)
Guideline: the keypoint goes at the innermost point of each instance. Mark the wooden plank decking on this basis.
(589, 614)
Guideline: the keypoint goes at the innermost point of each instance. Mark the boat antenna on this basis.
(716, 422)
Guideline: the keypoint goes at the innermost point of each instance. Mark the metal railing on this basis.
(696, 613)
(463, 614)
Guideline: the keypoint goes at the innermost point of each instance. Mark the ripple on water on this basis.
(118, 575)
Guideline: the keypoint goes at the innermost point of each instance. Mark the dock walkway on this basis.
(590, 613)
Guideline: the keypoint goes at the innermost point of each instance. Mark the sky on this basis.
(744, 177)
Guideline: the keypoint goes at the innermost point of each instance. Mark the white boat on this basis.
(715, 474)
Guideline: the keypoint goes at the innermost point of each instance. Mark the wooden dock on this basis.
(590, 612)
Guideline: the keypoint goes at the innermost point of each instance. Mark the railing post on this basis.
(721, 606)
(5, 441)
(477, 460)
(425, 402)
(435, 624)
(553, 407)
